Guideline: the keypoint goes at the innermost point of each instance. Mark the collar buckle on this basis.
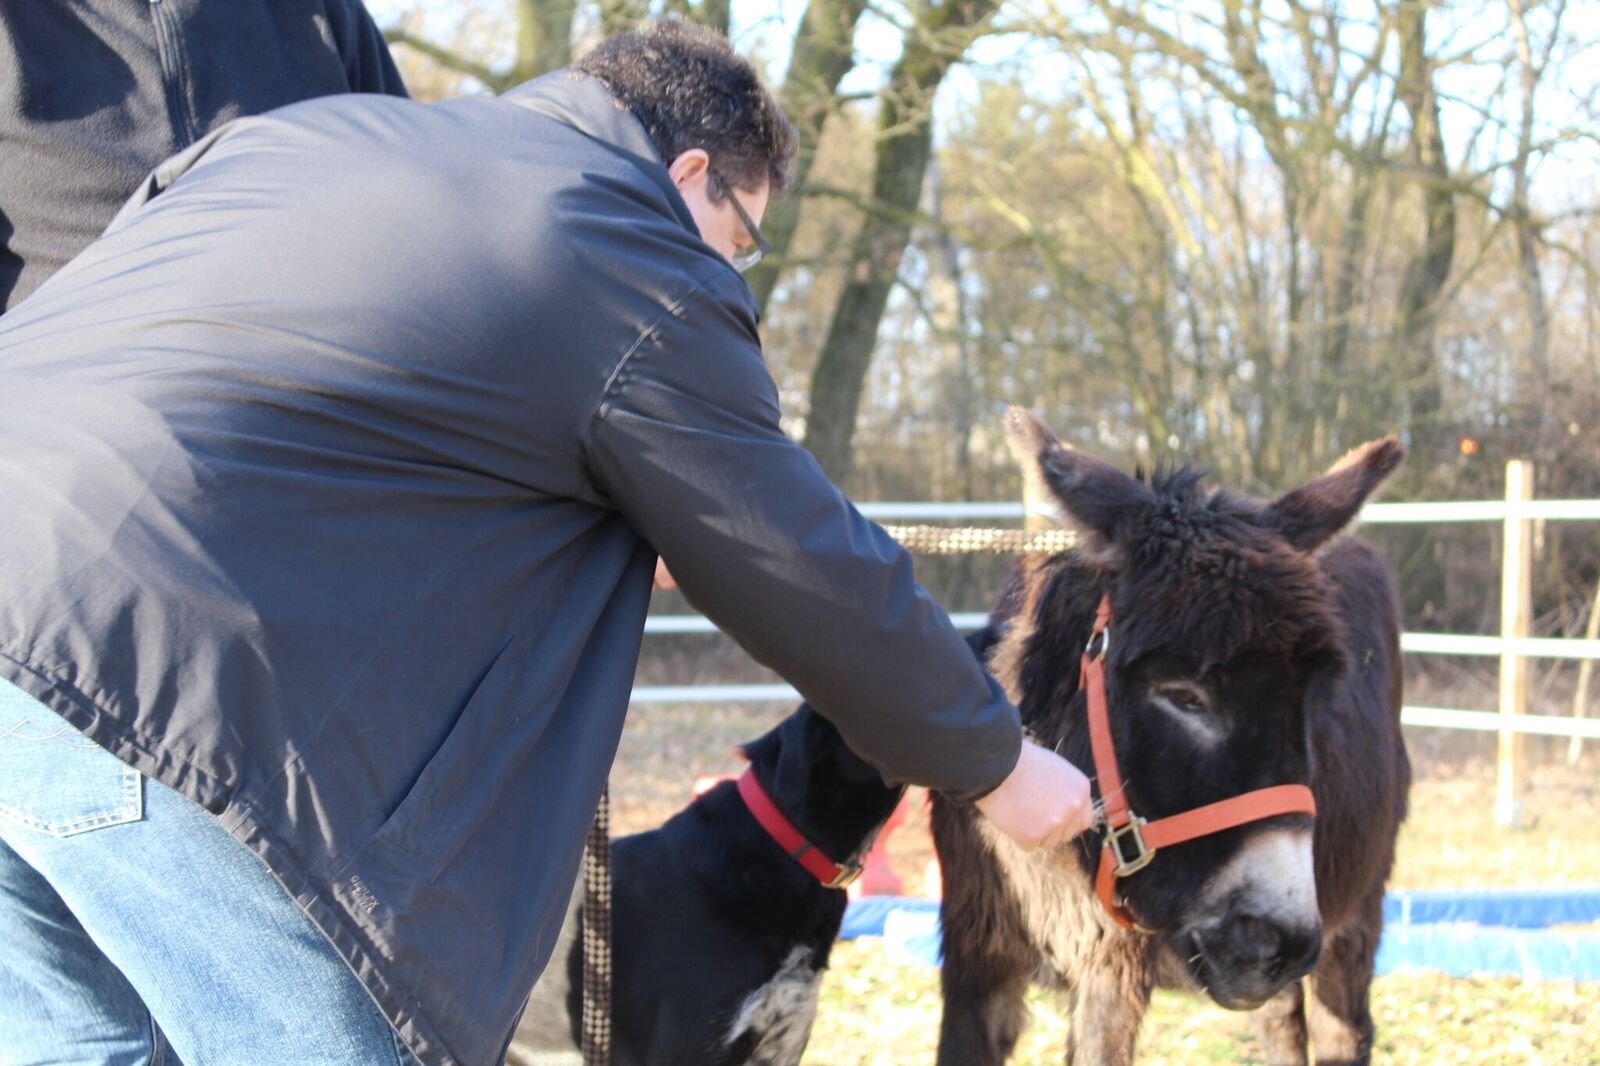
(848, 872)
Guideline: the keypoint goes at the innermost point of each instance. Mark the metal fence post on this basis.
(1516, 609)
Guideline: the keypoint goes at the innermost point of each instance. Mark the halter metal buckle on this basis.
(1142, 854)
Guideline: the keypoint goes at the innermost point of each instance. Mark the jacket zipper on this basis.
(174, 74)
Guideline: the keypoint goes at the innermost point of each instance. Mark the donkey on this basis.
(1240, 647)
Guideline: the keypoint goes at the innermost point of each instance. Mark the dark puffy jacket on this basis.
(334, 476)
(95, 93)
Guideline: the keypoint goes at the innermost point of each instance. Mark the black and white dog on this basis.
(724, 917)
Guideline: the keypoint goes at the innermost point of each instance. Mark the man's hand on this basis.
(1044, 802)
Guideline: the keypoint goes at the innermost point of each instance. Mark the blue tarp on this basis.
(1461, 933)
(1461, 950)
(866, 916)
(1516, 908)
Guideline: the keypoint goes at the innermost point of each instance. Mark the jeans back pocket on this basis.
(56, 780)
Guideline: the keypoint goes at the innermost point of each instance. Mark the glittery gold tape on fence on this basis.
(967, 540)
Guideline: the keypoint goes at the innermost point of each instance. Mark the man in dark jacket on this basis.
(95, 93)
(334, 478)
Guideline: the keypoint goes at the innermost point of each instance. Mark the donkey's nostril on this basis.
(1255, 940)
(1299, 952)
(1265, 946)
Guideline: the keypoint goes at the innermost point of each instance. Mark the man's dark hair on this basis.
(690, 89)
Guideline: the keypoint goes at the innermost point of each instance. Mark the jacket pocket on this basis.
(55, 780)
(462, 777)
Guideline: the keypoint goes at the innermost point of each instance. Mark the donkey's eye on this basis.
(1185, 698)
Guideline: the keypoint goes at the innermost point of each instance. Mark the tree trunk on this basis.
(823, 55)
(714, 13)
(1426, 275)
(619, 15)
(1337, 378)
(1534, 400)
(544, 38)
(905, 129)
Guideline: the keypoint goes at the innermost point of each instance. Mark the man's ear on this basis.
(691, 167)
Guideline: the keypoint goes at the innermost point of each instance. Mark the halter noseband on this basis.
(1131, 842)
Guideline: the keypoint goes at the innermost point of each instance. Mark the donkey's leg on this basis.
(1107, 1006)
(1339, 1013)
(1280, 1025)
(984, 1010)
(988, 955)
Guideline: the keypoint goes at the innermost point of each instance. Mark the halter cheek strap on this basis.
(1131, 842)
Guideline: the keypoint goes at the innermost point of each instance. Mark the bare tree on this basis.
(1531, 68)
(543, 42)
(823, 54)
(933, 44)
(1425, 276)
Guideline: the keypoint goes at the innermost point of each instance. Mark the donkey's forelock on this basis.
(1204, 574)
(1227, 572)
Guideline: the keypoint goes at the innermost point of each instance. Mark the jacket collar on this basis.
(579, 101)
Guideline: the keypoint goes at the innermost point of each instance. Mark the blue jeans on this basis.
(135, 929)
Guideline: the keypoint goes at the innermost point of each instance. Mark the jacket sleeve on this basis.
(367, 61)
(686, 444)
(168, 171)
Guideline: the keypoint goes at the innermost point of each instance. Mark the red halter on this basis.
(1131, 842)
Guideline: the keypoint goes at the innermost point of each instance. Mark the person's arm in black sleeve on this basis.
(367, 61)
(686, 443)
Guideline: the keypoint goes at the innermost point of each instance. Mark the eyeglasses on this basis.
(749, 256)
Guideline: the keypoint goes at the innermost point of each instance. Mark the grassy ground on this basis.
(878, 1013)
(874, 1013)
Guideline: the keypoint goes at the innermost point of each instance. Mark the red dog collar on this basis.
(831, 874)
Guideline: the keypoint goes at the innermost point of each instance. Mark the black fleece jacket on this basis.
(95, 93)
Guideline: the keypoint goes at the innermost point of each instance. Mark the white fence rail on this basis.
(1513, 646)
(1372, 514)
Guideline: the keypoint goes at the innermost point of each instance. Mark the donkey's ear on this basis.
(1095, 496)
(1315, 513)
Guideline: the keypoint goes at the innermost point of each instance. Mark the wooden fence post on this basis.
(1580, 698)
(1516, 610)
